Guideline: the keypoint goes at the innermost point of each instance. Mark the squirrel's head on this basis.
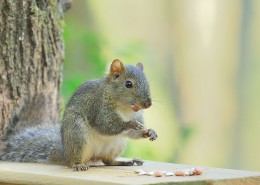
(129, 85)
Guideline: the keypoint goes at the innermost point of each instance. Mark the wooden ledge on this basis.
(28, 173)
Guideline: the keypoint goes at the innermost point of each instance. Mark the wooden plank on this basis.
(28, 173)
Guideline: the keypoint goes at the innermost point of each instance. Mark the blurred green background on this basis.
(202, 60)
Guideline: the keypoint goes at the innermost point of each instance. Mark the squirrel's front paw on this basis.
(151, 134)
(136, 125)
(80, 167)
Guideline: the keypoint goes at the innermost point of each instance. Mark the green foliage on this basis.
(83, 58)
(131, 52)
(147, 152)
(186, 133)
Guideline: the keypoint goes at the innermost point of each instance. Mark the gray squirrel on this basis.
(99, 117)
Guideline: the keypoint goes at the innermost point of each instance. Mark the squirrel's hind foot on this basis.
(80, 167)
(135, 161)
(138, 162)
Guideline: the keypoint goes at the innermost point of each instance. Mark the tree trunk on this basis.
(31, 56)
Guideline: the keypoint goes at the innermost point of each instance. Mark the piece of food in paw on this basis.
(151, 134)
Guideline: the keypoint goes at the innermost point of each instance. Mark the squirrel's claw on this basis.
(151, 134)
(80, 167)
(138, 162)
(134, 161)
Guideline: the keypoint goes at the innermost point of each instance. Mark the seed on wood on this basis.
(142, 173)
(198, 171)
(150, 173)
(179, 173)
(138, 171)
(192, 171)
(164, 172)
(187, 173)
(158, 174)
(168, 174)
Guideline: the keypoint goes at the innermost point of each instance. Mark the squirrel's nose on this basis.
(148, 104)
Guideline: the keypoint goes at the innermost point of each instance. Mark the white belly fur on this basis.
(100, 147)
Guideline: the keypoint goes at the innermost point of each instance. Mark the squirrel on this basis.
(99, 117)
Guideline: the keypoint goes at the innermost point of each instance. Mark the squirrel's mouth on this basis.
(145, 105)
(135, 108)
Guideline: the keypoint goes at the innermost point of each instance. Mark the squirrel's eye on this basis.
(128, 84)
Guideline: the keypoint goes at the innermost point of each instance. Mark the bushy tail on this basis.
(40, 144)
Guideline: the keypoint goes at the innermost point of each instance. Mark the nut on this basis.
(198, 171)
(158, 174)
(192, 171)
(179, 173)
(142, 173)
(138, 171)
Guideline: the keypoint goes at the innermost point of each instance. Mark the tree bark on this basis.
(31, 57)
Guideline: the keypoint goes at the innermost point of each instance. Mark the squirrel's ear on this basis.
(116, 68)
(140, 66)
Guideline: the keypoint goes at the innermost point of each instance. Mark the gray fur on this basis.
(40, 144)
(95, 104)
